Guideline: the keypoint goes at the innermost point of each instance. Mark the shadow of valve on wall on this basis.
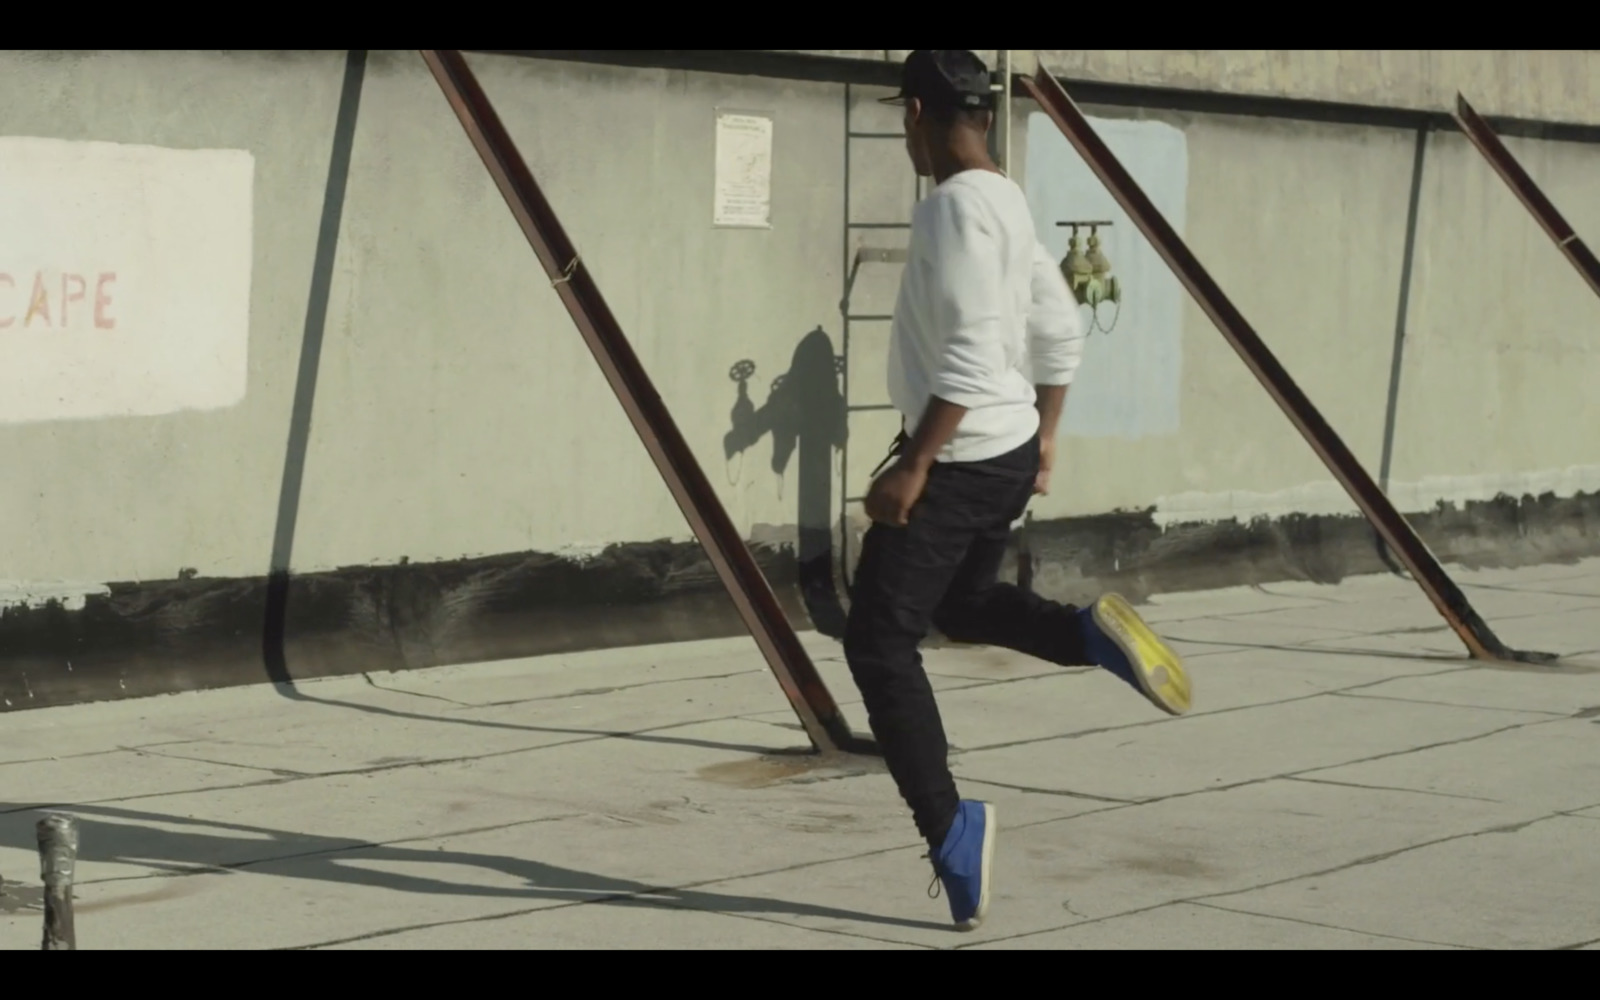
(805, 416)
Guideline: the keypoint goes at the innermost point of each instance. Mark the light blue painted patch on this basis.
(1127, 385)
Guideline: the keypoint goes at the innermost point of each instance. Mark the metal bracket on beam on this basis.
(751, 593)
(870, 255)
(1480, 640)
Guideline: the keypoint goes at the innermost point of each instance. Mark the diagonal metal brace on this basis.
(751, 593)
(1483, 137)
(1480, 640)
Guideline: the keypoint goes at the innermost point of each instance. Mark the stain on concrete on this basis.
(1167, 866)
(175, 888)
(194, 633)
(795, 767)
(16, 898)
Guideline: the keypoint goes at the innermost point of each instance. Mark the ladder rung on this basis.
(869, 407)
(855, 499)
(877, 225)
(869, 318)
(876, 135)
(881, 255)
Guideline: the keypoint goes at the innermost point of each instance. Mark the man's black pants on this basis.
(942, 569)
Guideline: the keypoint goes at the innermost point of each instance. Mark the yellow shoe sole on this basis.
(1157, 668)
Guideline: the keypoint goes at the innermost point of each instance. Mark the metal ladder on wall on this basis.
(854, 258)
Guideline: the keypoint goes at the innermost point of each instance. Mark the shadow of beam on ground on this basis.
(114, 835)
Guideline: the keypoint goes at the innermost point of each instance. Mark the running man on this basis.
(981, 303)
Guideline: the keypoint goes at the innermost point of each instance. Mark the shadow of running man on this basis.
(115, 835)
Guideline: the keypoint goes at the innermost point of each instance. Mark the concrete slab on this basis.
(1250, 633)
(1525, 574)
(841, 806)
(1504, 605)
(1187, 606)
(1194, 926)
(1558, 690)
(163, 721)
(116, 776)
(1060, 873)
(1580, 586)
(1193, 847)
(1439, 645)
(242, 826)
(977, 663)
(1077, 702)
(336, 736)
(1177, 756)
(1574, 634)
(1350, 590)
(1550, 766)
(1395, 614)
(484, 804)
(645, 924)
(1529, 886)
(296, 901)
(566, 674)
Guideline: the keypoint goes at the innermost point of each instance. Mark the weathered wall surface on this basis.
(1549, 85)
(462, 484)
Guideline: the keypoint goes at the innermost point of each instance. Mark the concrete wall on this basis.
(1547, 85)
(457, 410)
(467, 459)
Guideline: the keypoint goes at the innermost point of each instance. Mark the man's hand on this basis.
(1047, 461)
(894, 493)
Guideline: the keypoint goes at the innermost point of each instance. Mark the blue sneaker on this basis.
(1116, 638)
(962, 864)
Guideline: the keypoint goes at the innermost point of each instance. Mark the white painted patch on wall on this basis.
(1128, 383)
(1328, 497)
(124, 279)
(37, 594)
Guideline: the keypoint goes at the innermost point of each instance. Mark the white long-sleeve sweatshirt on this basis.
(983, 316)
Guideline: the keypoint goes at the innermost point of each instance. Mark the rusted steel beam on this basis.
(735, 566)
(1483, 137)
(1480, 640)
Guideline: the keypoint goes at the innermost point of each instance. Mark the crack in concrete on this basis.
(1433, 746)
(1390, 788)
(1078, 734)
(1382, 856)
(594, 692)
(92, 753)
(374, 769)
(1411, 628)
(1284, 776)
(1451, 704)
(414, 694)
(1336, 927)
(1504, 588)
(278, 771)
(1054, 791)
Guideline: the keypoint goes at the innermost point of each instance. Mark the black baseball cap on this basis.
(947, 78)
